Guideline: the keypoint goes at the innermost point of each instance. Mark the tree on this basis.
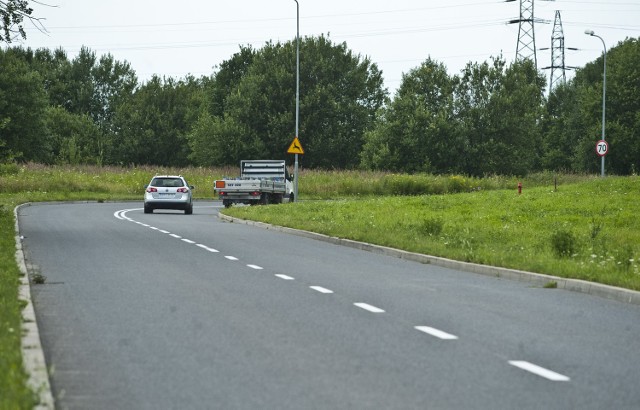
(561, 128)
(152, 125)
(498, 109)
(623, 107)
(227, 78)
(574, 114)
(23, 101)
(12, 15)
(515, 112)
(416, 132)
(475, 88)
(339, 96)
(89, 86)
(74, 138)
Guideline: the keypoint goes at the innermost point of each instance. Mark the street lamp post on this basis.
(295, 170)
(604, 89)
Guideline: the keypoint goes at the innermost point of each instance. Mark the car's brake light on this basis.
(183, 190)
(152, 189)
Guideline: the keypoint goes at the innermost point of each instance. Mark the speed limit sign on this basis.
(602, 147)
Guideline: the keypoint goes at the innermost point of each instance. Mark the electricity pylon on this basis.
(526, 49)
(558, 68)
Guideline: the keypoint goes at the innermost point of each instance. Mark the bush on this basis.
(9, 169)
(563, 243)
(458, 183)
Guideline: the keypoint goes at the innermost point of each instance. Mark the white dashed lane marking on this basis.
(206, 248)
(321, 289)
(539, 371)
(523, 365)
(369, 308)
(436, 333)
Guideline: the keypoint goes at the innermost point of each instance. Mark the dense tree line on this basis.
(491, 118)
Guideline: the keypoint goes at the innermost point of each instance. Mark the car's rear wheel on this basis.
(148, 210)
(188, 210)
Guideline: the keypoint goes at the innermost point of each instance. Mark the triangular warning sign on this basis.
(295, 147)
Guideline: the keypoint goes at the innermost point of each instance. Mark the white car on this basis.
(168, 192)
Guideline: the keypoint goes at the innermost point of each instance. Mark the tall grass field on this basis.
(573, 226)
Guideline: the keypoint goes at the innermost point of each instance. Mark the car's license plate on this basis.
(162, 195)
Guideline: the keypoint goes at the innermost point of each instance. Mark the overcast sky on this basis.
(176, 38)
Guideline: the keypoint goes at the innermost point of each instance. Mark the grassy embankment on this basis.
(586, 229)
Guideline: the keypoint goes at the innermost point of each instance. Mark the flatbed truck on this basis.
(260, 182)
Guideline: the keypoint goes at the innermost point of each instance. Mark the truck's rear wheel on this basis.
(265, 199)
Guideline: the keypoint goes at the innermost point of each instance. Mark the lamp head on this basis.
(589, 32)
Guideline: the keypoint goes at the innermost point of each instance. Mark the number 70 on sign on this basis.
(602, 147)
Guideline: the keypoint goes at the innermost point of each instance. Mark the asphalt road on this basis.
(169, 311)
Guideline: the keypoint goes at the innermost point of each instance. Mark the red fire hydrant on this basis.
(519, 188)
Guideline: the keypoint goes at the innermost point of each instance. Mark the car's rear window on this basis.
(167, 182)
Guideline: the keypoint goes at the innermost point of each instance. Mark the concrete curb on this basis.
(535, 279)
(32, 354)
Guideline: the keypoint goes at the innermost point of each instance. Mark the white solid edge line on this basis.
(256, 267)
(436, 333)
(368, 307)
(285, 277)
(539, 371)
(321, 289)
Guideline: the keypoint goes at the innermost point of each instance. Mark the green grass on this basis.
(586, 229)
(13, 392)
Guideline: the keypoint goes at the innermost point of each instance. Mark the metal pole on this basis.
(295, 170)
(604, 92)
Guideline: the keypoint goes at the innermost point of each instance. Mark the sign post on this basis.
(295, 148)
(295, 170)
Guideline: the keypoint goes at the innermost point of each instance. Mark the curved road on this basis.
(189, 312)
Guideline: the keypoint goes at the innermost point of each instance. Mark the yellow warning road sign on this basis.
(295, 147)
